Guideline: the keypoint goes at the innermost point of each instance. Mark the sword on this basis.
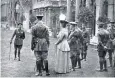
(9, 51)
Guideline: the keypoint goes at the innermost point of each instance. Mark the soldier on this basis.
(113, 41)
(40, 45)
(103, 37)
(18, 43)
(86, 40)
(74, 38)
(110, 47)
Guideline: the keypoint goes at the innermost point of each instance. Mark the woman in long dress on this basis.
(62, 53)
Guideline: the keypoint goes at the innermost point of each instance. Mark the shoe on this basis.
(110, 66)
(84, 59)
(105, 70)
(37, 73)
(18, 59)
(78, 67)
(99, 70)
(40, 74)
(47, 74)
(73, 69)
(14, 58)
(81, 59)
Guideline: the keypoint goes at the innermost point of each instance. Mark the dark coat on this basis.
(20, 35)
(40, 37)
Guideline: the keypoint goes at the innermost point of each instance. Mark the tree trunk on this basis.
(26, 21)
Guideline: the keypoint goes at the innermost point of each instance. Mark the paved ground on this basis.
(25, 67)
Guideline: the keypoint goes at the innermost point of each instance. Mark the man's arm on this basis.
(23, 36)
(47, 37)
(32, 40)
(32, 43)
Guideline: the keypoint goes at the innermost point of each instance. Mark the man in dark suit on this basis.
(40, 45)
(20, 36)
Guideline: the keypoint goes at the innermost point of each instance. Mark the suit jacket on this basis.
(40, 37)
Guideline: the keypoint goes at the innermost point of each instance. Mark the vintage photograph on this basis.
(57, 38)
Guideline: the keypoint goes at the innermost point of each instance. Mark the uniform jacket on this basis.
(103, 38)
(75, 38)
(86, 37)
(110, 41)
(40, 37)
(20, 35)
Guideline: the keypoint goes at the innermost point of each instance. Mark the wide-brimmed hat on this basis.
(64, 21)
(39, 16)
(112, 22)
(62, 18)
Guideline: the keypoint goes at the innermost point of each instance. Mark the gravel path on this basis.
(25, 67)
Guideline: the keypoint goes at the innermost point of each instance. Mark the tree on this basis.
(85, 15)
(104, 19)
(26, 5)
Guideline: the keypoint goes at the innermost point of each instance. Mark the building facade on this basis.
(51, 9)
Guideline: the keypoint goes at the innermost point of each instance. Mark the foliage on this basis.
(103, 19)
(26, 4)
(85, 15)
(3, 19)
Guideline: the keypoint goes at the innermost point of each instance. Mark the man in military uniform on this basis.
(113, 41)
(40, 45)
(103, 38)
(86, 40)
(74, 39)
(18, 43)
(110, 47)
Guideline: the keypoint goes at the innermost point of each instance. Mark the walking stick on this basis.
(9, 51)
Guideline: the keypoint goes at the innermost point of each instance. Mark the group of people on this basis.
(71, 45)
(106, 44)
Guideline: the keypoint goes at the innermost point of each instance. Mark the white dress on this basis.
(62, 53)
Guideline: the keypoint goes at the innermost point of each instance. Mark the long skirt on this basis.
(62, 61)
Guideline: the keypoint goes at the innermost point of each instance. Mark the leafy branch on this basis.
(85, 15)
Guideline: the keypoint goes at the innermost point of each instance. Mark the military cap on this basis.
(39, 16)
(19, 23)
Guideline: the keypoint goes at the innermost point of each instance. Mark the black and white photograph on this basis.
(57, 38)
